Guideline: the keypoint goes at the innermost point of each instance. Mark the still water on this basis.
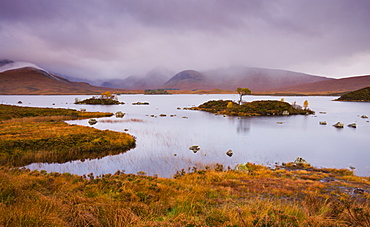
(163, 142)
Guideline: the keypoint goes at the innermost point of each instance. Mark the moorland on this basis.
(291, 194)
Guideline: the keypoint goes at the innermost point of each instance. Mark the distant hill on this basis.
(153, 79)
(362, 95)
(256, 79)
(188, 80)
(331, 86)
(30, 80)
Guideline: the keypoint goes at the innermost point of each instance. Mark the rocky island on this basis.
(255, 108)
(105, 98)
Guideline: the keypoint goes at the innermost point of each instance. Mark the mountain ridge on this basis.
(257, 79)
(28, 81)
(35, 80)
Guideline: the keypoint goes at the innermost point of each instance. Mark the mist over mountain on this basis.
(6, 64)
(28, 78)
(188, 80)
(256, 79)
(153, 79)
(20, 78)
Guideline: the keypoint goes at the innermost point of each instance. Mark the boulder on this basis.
(194, 148)
(119, 114)
(338, 125)
(92, 121)
(300, 160)
(229, 153)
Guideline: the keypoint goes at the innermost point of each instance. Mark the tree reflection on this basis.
(243, 125)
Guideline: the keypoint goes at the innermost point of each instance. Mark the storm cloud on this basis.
(116, 39)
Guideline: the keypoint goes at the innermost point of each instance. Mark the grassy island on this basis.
(255, 108)
(362, 95)
(155, 92)
(31, 135)
(105, 98)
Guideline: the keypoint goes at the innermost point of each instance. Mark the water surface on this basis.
(163, 142)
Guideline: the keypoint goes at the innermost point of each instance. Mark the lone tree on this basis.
(242, 92)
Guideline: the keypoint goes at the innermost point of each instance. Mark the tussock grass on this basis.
(212, 197)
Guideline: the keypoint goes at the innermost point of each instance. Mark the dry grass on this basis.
(40, 135)
(259, 197)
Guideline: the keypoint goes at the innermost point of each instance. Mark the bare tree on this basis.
(242, 92)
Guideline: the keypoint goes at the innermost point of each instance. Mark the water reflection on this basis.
(243, 125)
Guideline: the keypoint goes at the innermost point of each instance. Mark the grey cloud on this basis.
(94, 39)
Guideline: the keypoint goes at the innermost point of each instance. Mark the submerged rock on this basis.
(140, 103)
(353, 125)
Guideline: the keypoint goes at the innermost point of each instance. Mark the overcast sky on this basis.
(108, 39)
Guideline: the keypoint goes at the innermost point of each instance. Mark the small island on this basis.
(155, 92)
(105, 98)
(255, 108)
(361, 95)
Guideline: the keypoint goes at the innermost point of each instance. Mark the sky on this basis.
(101, 40)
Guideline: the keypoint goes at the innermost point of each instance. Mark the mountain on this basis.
(15, 79)
(331, 86)
(6, 65)
(151, 80)
(188, 80)
(256, 79)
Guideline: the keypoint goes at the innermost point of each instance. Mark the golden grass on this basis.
(40, 135)
(260, 197)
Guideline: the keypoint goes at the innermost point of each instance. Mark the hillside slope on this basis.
(362, 95)
(188, 80)
(256, 79)
(29, 81)
(331, 86)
